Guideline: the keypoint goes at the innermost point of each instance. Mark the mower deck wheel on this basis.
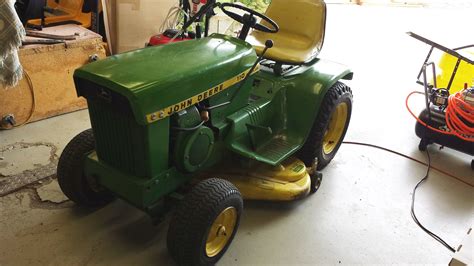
(329, 127)
(205, 223)
(316, 179)
(75, 185)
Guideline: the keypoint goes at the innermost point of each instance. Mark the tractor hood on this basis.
(156, 78)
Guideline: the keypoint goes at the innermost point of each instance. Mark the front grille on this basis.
(117, 139)
(120, 141)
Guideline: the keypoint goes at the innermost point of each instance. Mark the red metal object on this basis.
(196, 5)
(168, 35)
(161, 39)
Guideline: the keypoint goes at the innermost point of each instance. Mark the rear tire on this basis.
(329, 128)
(71, 178)
(205, 223)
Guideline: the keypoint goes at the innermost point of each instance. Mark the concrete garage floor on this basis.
(359, 216)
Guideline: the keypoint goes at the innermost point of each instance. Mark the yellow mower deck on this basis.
(287, 182)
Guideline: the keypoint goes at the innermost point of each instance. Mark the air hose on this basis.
(459, 114)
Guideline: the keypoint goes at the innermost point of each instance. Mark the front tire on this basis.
(329, 128)
(71, 178)
(205, 223)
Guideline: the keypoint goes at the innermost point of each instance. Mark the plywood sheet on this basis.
(50, 69)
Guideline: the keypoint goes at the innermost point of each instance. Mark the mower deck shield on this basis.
(286, 182)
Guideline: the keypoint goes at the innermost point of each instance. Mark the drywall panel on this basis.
(137, 20)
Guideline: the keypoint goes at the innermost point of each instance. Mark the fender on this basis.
(289, 109)
(305, 91)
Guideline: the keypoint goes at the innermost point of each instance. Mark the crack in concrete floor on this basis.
(38, 201)
(13, 182)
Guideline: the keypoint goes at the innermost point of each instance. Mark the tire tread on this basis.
(313, 145)
(70, 172)
(191, 219)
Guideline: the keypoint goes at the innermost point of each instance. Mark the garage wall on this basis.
(407, 2)
(137, 20)
(133, 22)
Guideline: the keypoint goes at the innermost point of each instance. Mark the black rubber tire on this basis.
(472, 164)
(70, 173)
(193, 218)
(312, 149)
(316, 180)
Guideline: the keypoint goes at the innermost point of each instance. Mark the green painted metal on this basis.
(287, 105)
(122, 89)
(157, 77)
(140, 192)
(192, 149)
(126, 145)
(268, 119)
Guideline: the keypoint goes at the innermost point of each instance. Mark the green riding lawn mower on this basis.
(197, 126)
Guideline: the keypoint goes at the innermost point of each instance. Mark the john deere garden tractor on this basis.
(202, 124)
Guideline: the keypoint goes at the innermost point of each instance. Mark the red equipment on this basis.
(167, 37)
(192, 13)
(196, 5)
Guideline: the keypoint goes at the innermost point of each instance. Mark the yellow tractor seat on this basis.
(302, 25)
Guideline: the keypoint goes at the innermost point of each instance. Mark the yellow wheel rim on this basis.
(335, 128)
(221, 231)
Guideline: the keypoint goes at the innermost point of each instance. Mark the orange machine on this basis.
(57, 12)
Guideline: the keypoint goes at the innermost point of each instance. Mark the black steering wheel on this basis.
(248, 20)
